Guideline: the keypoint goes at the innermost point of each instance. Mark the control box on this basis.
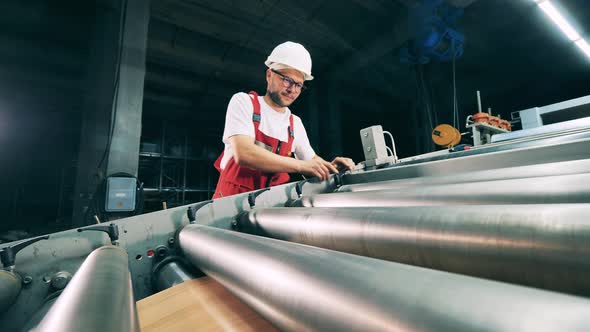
(120, 194)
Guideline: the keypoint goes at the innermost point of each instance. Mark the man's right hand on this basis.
(317, 167)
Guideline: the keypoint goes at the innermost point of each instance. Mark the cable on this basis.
(454, 90)
(456, 121)
(122, 21)
(389, 150)
(423, 98)
(422, 108)
(427, 82)
(139, 199)
(94, 205)
(392, 143)
(428, 100)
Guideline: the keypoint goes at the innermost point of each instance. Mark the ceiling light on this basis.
(564, 25)
(583, 45)
(558, 19)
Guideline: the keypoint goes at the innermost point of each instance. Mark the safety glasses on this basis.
(288, 82)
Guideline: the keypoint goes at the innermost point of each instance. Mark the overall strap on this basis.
(291, 132)
(256, 109)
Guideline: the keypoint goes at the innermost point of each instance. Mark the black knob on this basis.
(338, 180)
(112, 230)
(299, 188)
(8, 254)
(192, 210)
(253, 195)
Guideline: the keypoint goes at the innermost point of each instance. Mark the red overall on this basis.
(235, 179)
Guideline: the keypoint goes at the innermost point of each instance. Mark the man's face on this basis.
(283, 86)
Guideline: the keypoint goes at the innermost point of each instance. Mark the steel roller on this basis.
(549, 169)
(98, 298)
(10, 286)
(522, 144)
(304, 288)
(573, 188)
(169, 273)
(572, 150)
(545, 246)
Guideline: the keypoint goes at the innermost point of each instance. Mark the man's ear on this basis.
(268, 72)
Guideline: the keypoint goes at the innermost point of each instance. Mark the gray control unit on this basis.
(120, 195)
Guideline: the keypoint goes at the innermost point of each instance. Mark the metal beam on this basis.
(123, 154)
(125, 87)
(100, 77)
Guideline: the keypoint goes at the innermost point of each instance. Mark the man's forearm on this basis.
(318, 158)
(253, 156)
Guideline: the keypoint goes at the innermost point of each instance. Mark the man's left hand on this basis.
(343, 164)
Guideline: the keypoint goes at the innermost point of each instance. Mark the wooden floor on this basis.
(198, 305)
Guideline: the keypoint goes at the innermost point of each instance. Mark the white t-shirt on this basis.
(238, 121)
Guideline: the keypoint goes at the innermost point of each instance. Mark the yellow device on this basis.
(446, 135)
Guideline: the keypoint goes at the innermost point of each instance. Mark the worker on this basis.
(261, 133)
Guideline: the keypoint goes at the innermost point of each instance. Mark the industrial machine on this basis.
(493, 238)
(446, 136)
(435, 36)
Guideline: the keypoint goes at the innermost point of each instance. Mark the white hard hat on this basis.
(292, 55)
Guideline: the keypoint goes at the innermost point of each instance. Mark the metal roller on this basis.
(549, 169)
(304, 288)
(539, 190)
(573, 150)
(546, 246)
(41, 311)
(170, 272)
(99, 297)
(10, 286)
(525, 143)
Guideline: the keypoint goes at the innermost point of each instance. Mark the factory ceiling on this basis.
(200, 52)
(210, 49)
